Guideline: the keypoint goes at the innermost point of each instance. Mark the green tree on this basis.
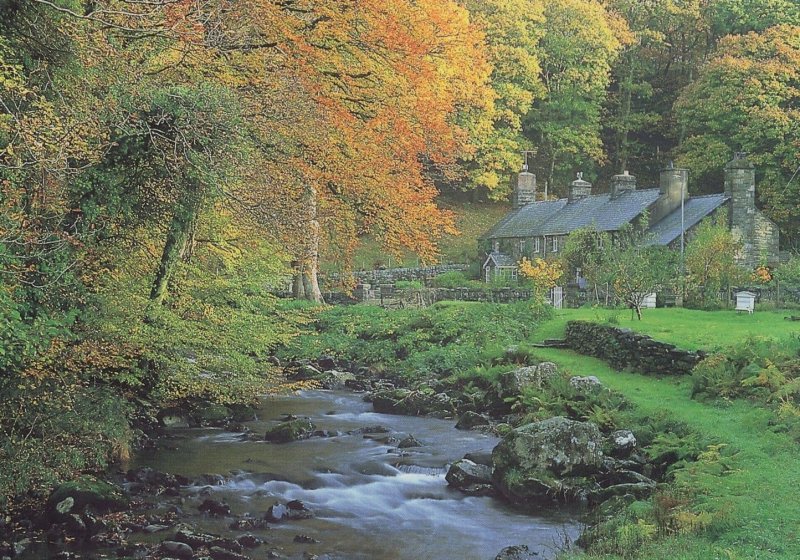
(513, 29)
(710, 262)
(747, 98)
(577, 49)
(635, 268)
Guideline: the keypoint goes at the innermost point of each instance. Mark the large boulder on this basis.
(586, 385)
(85, 494)
(291, 430)
(552, 459)
(336, 380)
(622, 442)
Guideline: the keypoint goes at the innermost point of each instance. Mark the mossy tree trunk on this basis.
(179, 234)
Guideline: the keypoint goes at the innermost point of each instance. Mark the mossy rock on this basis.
(293, 430)
(85, 493)
(549, 460)
(211, 414)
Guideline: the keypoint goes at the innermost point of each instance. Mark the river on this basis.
(371, 500)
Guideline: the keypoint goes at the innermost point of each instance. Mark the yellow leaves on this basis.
(762, 275)
(544, 274)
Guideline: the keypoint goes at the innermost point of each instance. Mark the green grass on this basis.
(758, 490)
(686, 328)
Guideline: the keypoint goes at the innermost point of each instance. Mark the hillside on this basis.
(472, 220)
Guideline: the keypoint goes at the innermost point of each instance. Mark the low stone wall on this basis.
(390, 275)
(623, 348)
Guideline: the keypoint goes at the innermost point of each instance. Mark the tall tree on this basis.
(747, 98)
(513, 30)
(576, 53)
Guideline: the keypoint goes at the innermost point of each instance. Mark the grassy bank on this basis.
(748, 487)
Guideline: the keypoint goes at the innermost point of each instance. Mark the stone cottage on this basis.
(539, 228)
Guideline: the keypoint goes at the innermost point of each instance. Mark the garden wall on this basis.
(623, 348)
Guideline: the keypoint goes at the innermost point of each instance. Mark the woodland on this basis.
(165, 165)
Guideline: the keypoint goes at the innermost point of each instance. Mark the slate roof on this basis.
(500, 259)
(695, 209)
(556, 217)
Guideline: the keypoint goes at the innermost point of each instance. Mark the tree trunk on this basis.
(298, 290)
(310, 262)
(626, 109)
(178, 235)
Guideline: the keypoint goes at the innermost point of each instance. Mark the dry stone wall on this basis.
(623, 348)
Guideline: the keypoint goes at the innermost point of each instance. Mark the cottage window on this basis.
(536, 246)
(555, 245)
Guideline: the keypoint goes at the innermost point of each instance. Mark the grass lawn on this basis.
(758, 487)
(686, 328)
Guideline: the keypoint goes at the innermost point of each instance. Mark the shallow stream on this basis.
(371, 500)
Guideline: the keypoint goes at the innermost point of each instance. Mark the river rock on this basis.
(480, 457)
(548, 459)
(291, 511)
(516, 552)
(306, 372)
(211, 414)
(85, 494)
(215, 508)
(174, 418)
(408, 442)
(327, 362)
(152, 477)
(292, 430)
(219, 553)
(412, 403)
(177, 549)
(470, 420)
(336, 380)
(249, 541)
(470, 477)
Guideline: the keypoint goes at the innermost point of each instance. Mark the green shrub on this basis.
(52, 430)
(761, 369)
(457, 279)
(446, 339)
(408, 285)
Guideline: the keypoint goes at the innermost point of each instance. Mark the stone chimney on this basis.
(525, 191)
(740, 186)
(579, 189)
(622, 183)
(673, 183)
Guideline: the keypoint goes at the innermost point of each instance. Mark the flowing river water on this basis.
(371, 500)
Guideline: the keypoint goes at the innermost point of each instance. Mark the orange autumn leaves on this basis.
(362, 99)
